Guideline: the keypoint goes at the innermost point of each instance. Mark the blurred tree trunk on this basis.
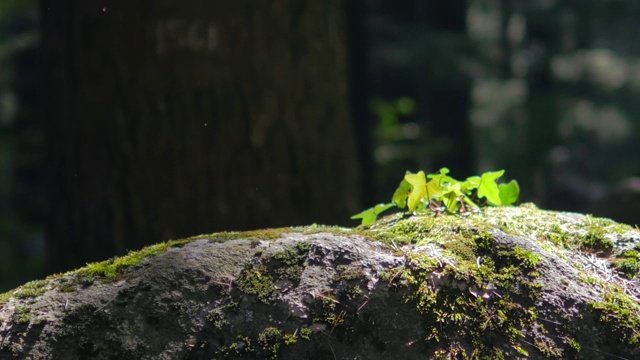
(360, 93)
(169, 119)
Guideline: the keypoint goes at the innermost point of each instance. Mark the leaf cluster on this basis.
(440, 193)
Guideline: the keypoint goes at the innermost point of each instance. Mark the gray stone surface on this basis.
(313, 296)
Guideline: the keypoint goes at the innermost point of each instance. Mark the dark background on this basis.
(294, 112)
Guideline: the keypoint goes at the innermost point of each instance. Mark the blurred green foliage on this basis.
(399, 141)
(10, 7)
(554, 87)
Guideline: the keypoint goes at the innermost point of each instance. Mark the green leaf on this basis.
(434, 190)
(488, 187)
(370, 215)
(441, 177)
(450, 197)
(400, 196)
(418, 190)
(509, 192)
(470, 184)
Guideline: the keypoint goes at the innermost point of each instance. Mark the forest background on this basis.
(545, 89)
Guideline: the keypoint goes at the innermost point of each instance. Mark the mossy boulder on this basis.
(506, 283)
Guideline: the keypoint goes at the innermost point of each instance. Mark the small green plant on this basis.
(439, 193)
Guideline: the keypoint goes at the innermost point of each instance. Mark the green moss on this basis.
(289, 262)
(619, 317)
(573, 348)
(31, 289)
(22, 315)
(476, 295)
(348, 273)
(594, 240)
(115, 267)
(85, 280)
(106, 270)
(12, 349)
(256, 281)
(265, 345)
(270, 340)
(293, 255)
(5, 297)
(67, 287)
(305, 333)
(467, 307)
(272, 233)
(64, 285)
(526, 258)
(217, 319)
(316, 229)
(262, 234)
(241, 347)
(630, 264)
(290, 339)
(348, 284)
(404, 230)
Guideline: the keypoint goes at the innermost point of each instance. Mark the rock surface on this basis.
(507, 283)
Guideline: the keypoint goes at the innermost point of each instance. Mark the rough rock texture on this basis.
(508, 283)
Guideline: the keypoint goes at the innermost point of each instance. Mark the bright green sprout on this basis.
(442, 193)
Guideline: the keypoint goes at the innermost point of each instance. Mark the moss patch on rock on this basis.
(475, 300)
(503, 283)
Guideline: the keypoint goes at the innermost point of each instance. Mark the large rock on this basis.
(505, 283)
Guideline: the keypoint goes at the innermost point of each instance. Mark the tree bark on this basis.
(166, 119)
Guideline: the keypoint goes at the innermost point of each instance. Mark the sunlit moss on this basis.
(469, 297)
(630, 264)
(594, 240)
(31, 289)
(255, 280)
(619, 315)
(305, 333)
(115, 266)
(262, 234)
(22, 315)
(270, 339)
(291, 261)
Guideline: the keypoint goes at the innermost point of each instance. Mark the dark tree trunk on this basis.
(166, 119)
(360, 93)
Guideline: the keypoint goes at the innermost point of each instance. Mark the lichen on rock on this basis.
(510, 282)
